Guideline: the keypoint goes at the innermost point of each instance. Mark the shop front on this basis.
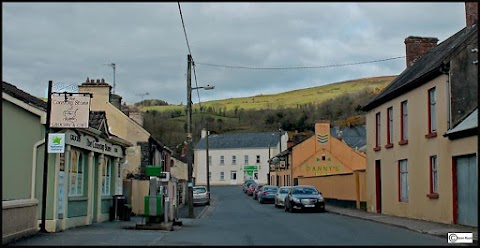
(86, 177)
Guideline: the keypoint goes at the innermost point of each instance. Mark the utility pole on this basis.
(45, 160)
(113, 66)
(189, 138)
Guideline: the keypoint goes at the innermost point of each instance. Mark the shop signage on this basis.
(56, 143)
(91, 144)
(250, 167)
(69, 111)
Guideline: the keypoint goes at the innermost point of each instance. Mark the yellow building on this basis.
(422, 132)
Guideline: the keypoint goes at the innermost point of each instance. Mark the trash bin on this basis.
(119, 202)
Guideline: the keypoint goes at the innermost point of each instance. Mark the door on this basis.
(467, 190)
(233, 177)
(378, 187)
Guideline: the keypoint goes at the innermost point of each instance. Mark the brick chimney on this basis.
(417, 46)
(471, 13)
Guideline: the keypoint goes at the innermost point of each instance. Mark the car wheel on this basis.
(208, 203)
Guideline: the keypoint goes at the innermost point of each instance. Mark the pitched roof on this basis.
(13, 91)
(425, 68)
(354, 137)
(240, 140)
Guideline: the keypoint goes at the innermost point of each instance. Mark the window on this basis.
(432, 113)
(222, 160)
(389, 128)
(377, 132)
(404, 124)
(106, 174)
(76, 173)
(403, 180)
(209, 160)
(433, 177)
(246, 159)
(258, 159)
(222, 176)
(234, 159)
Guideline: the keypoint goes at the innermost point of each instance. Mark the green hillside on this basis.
(290, 99)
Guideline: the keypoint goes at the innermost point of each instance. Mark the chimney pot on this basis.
(471, 13)
(98, 81)
(417, 46)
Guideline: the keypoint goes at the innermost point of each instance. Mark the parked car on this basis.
(280, 196)
(246, 184)
(251, 188)
(257, 189)
(304, 198)
(201, 195)
(267, 194)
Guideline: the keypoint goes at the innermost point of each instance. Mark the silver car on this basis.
(201, 195)
(280, 196)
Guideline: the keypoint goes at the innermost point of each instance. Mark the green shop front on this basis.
(83, 180)
(250, 172)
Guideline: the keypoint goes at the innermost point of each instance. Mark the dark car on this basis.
(251, 188)
(267, 194)
(304, 198)
(246, 184)
(255, 192)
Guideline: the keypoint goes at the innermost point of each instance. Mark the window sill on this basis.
(387, 146)
(432, 196)
(431, 135)
(376, 149)
(107, 197)
(77, 198)
(403, 142)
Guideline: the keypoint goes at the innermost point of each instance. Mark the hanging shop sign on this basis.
(56, 143)
(69, 110)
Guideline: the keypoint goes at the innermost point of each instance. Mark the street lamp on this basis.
(189, 134)
(208, 162)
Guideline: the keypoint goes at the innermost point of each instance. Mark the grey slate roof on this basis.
(354, 137)
(240, 140)
(426, 67)
(13, 91)
(470, 122)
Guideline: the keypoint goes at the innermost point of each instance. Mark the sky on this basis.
(68, 42)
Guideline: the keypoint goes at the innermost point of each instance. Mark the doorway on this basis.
(233, 177)
(378, 186)
(465, 190)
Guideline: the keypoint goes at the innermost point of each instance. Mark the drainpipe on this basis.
(34, 166)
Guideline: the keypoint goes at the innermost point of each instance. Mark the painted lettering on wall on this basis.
(97, 145)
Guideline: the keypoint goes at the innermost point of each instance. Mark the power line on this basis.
(184, 30)
(297, 67)
(196, 85)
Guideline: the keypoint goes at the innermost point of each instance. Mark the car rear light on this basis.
(265, 193)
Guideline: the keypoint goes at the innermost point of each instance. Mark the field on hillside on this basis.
(289, 99)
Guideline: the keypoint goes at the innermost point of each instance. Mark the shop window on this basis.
(76, 173)
(106, 175)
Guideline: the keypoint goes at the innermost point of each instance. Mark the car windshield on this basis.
(305, 191)
(283, 191)
(199, 190)
(270, 188)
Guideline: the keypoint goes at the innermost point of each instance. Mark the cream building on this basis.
(236, 157)
(422, 132)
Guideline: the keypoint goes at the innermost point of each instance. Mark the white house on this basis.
(236, 157)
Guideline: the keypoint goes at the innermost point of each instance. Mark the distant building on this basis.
(236, 157)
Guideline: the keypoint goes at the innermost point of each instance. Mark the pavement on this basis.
(421, 226)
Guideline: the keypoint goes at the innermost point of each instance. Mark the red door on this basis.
(378, 187)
